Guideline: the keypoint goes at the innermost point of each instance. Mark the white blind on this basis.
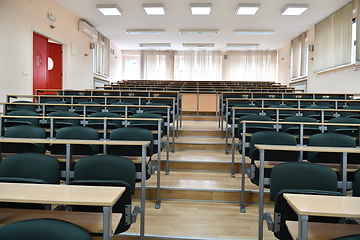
(156, 65)
(298, 57)
(101, 55)
(251, 65)
(333, 40)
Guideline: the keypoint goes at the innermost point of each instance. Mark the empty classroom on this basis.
(233, 119)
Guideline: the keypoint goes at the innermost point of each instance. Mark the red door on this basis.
(40, 55)
(54, 66)
(47, 64)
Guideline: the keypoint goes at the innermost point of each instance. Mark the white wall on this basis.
(18, 20)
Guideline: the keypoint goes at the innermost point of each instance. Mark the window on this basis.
(101, 56)
(333, 40)
(131, 68)
(299, 57)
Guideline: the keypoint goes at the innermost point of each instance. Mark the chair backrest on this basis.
(254, 127)
(24, 120)
(69, 122)
(356, 184)
(302, 175)
(329, 140)
(131, 134)
(107, 170)
(148, 124)
(22, 107)
(298, 178)
(342, 120)
(55, 107)
(77, 132)
(350, 237)
(273, 138)
(298, 119)
(104, 115)
(121, 109)
(24, 131)
(43, 229)
(32, 166)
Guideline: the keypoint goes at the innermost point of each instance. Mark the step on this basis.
(201, 186)
(215, 161)
(199, 143)
(182, 220)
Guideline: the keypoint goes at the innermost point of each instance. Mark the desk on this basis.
(65, 194)
(321, 205)
(262, 149)
(69, 142)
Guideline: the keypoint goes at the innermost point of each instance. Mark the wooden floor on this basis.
(199, 198)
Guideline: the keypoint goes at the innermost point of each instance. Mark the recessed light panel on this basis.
(253, 31)
(200, 8)
(154, 9)
(145, 31)
(154, 45)
(294, 9)
(247, 9)
(109, 9)
(198, 44)
(199, 31)
(242, 45)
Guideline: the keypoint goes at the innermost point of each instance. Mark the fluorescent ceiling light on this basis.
(154, 45)
(294, 9)
(145, 31)
(247, 9)
(253, 31)
(200, 8)
(199, 31)
(154, 9)
(109, 9)
(242, 45)
(198, 44)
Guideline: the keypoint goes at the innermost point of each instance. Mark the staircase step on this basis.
(201, 186)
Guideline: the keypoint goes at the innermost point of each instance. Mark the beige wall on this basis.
(18, 20)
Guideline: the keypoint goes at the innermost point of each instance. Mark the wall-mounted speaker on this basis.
(225, 56)
(92, 45)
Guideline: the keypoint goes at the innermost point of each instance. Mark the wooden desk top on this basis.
(323, 205)
(72, 141)
(91, 221)
(324, 231)
(307, 148)
(60, 194)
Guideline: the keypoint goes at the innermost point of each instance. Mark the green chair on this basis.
(56, 107)
(132, 134)
(297, 178)
(24, 131)
(282, 113)
(21, 107)
(356, 184)
(121, 109)
(331, 140)
(252, 128)
(350, 237)
(43, 229)
(294, 129)
(22, 119)
(151, 125)
(109, 170)
(351, 131)
(270, 138)
(29, 168)
(76, 132)
(98, 124)
(317, 112)
(87, 110)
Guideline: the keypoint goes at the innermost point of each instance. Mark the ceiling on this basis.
(222, 17)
